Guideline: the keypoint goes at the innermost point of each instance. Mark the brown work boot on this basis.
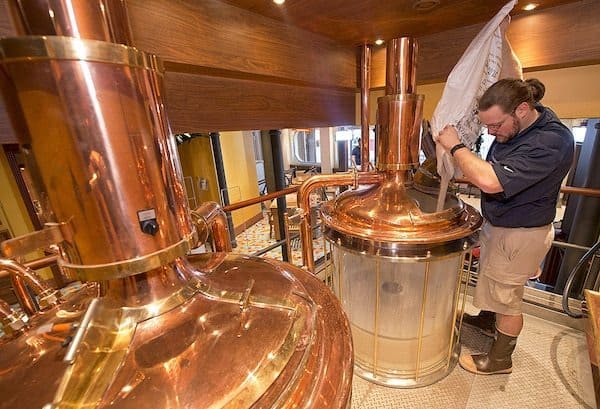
(485, 322)
(497, 361)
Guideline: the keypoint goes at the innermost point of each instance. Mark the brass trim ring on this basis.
(397, 166)
(127, 268)
(32, 48)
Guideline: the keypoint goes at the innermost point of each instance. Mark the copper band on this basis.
(33, 48)
(397, 166)
(134, 266)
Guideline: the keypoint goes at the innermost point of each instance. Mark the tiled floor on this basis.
(550, 370)
(550, 365)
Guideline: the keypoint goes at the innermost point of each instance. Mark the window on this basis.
(305, 146)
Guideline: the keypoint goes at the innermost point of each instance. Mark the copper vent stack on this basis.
(399, 267)
(161, 329)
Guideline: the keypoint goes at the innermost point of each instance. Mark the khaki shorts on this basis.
(509, 257)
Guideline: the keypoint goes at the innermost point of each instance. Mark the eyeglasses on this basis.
(498, 125)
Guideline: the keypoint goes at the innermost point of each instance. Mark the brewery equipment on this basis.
(151, 326)
(400, 268)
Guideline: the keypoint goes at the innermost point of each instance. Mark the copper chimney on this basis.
(400, 267)
(160, 328)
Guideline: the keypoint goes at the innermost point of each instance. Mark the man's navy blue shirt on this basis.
(530, 168)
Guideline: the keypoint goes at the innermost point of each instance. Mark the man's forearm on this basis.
(478, 171)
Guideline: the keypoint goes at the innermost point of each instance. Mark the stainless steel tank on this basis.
(400, 268)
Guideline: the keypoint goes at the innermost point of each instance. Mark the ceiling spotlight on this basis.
(379, 41)
(425, 5)
(530, 6)
(279, 2)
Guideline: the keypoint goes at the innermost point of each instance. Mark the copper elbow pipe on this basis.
(210, 216)
(319, 181)
(21, 275)
(365, 85)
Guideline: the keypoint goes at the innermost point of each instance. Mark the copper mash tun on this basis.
(151, 326)
(400, 268)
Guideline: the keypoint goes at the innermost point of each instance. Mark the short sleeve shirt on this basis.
(530, 168)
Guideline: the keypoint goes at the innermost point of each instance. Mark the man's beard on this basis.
(513, 132)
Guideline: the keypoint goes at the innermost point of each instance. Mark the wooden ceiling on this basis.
(359, 21)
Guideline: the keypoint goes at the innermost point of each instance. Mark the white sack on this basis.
(488, 58)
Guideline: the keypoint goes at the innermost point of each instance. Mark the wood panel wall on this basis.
(558, 37)
(230, 69)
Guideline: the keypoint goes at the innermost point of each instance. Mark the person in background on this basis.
(520, 181)
(356, 154)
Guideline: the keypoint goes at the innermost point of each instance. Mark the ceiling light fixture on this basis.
(279, 2)
(425, 5)
(530, 6)
(379, 41)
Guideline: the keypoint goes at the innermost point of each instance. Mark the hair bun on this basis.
(537, 89)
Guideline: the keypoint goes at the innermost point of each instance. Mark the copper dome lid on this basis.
(391, 221)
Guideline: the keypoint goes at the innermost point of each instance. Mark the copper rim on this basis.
(31, 48)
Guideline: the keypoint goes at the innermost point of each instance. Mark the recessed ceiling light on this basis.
(425, 5)
(279, 2)
(379, 41)
(530, 6)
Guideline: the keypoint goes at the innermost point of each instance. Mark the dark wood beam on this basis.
(200, 103)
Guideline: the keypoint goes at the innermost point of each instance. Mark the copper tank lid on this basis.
(399, 222)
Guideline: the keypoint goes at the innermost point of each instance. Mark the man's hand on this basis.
(448, 137)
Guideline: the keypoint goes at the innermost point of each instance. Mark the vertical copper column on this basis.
(365, 85)
(400, 110)
(401, 66)
(104, 20)
(125, 141)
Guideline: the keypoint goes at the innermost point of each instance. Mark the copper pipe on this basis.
(21, 275)
(571, 190)
(319, 181)
(288, 242)
(401, 66)
(580, 191)
(42, 262)
(104, 20)
(260, 199)
(399, 112)
(210, 216)
(365, 85)
(25, 299)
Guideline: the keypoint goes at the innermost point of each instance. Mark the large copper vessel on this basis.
(400, 268)
(153, 327)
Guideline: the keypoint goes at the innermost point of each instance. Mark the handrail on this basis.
(572, 190)
(260, 199)
(565, 300)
